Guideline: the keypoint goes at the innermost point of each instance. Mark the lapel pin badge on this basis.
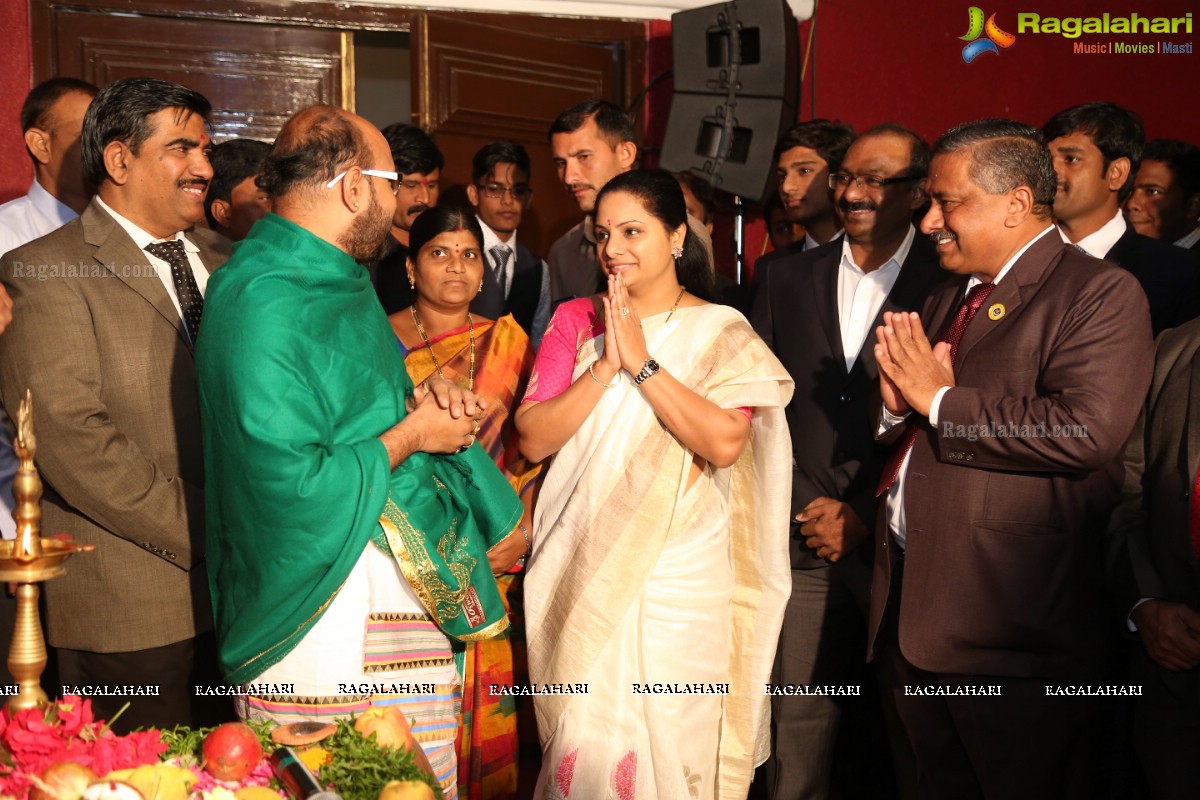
(996, 312)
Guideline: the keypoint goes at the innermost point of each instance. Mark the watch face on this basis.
(651, 365)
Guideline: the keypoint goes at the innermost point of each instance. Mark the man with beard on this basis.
(346, 554)
(106, 311)
(1097, 148)
(818, 318)
(419, 163)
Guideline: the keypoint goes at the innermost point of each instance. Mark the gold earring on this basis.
(411, 283)
(481, 284)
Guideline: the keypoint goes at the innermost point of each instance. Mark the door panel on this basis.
(479, 83)
(256, 76)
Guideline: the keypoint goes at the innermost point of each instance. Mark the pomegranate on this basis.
(231, 751)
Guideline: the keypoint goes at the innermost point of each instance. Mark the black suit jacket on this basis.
(1169, 275)
(834, 453)
(523, 295)
(1149, 533)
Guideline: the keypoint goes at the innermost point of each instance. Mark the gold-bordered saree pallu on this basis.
(664, 599)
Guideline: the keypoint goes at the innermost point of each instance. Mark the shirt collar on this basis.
(1100, 242)
(140, 237)
(894, 262)
(1191, 239)
(810, 242)
(50, 206)
(490, 239)
(974, 281)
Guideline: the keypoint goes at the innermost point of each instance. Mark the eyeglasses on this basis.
(393, 178)
(840, 180)
(520, 193)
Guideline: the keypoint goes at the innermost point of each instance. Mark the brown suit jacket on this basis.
(1004, 555)
(97, 339)
(1149, 535)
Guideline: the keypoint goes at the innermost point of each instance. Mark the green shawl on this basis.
(299, 373)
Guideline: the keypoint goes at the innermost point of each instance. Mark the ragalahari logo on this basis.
(976, 27)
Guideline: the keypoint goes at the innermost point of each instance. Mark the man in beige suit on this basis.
(105, 313)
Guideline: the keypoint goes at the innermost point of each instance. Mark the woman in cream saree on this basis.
(659, 577)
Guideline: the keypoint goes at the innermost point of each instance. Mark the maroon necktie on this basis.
(1195, 528)
(951, 336)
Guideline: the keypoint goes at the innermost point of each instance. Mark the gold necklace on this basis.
(436, 365)
(678, 297)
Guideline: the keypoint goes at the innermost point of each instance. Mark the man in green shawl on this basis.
(348, 519)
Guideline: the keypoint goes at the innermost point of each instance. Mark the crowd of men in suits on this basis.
(970, 326)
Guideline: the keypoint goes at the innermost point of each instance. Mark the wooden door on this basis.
(480, 82)
(255, 75)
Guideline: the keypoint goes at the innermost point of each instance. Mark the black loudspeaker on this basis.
(736, 82)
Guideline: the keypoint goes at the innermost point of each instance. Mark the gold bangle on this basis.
(592, 372)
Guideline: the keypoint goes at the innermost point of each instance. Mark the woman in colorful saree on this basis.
(440, 337)
(659, 570)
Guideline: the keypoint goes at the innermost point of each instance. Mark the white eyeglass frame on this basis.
(378, 173)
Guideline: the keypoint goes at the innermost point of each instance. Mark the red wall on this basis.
(16, 70)
(874, 64)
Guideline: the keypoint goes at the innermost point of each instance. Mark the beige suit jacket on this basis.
(97, 339)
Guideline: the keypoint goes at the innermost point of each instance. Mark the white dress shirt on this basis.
(161, 268)
(810, 242)
(490, 240)
(21, 221)
(31, 217)
(861, 294)
(1100, 242)
(888, 420)
(1189, 241)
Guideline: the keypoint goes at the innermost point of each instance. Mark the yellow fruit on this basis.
(256, 793)
(406, 790)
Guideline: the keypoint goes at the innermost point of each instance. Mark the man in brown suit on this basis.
(105, 316)
(1155, 538)
(989, 568)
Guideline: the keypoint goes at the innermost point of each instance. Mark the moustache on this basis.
(571, 187)
(186, 182)
(858, 205)
(419, 208)
(942, 237)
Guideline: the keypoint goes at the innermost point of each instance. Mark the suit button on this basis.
(845, 398)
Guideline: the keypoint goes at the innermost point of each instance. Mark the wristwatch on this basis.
(648, 369)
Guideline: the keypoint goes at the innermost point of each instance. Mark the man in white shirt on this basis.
(516, 282)
(1097, 148)
(51, 121)
(1165, 203)
(106, 310)
(818, 319)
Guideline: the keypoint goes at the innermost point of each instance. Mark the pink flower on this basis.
(75, 714)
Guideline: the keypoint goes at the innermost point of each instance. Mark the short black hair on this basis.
(232, 162)
(611, 120)
(413, 150)
(35, 111)
(1182, 158)
(703, 191)
(1117, 133)
(503, 151)
(830, 139)
(919, 153)
(121, 112)
(438, 220)
(1004, 155)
